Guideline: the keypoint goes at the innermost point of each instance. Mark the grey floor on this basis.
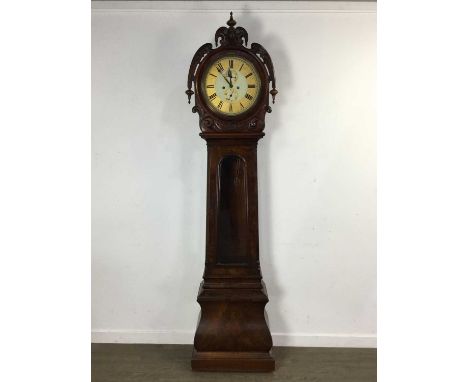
(144, 363)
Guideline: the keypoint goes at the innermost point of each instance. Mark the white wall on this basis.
(317, 170)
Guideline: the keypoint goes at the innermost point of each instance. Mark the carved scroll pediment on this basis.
(232, 39)
(231, 35)
(199, 54)
(265, 57)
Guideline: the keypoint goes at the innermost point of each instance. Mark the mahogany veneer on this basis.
(232, 332)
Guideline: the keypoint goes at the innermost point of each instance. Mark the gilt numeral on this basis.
(230, 107)
(241, 67)
(231, 64)
(251, 86)
(242, 106)
(249, 97)
(215, 76)
(220, 67)
(213, 96)
(212, 86)
(220, 104)
(248, 75)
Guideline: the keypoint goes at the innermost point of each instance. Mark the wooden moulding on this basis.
(233, 361)
(232, 333)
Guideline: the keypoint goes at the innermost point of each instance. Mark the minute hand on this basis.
(230, 85)
(230, 77)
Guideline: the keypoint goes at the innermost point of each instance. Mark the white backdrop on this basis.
(316, 169)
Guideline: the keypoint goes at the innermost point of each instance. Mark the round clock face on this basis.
(231, 85)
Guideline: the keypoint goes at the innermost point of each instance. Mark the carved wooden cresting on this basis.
(232, 332)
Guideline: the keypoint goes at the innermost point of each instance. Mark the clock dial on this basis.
(231, 85)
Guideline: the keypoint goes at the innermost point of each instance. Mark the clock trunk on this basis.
(232, 295)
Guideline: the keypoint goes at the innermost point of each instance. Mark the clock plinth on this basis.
(232, 333)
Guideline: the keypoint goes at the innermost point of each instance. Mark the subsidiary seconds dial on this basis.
(231, 85)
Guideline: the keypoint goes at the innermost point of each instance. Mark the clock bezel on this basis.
(206, 72)
(255, 113)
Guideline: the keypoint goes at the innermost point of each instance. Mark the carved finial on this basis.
(273, 93)
(189, 93)
(232, 35)
(231, 22)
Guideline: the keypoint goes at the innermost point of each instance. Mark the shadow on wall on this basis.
(188, 159)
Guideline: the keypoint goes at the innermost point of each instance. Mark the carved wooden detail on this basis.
(232, 333)
(232, 39)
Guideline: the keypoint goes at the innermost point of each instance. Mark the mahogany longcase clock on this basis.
(231, 87)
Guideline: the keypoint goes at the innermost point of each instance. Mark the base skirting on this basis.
(186, 337)
(232, 361)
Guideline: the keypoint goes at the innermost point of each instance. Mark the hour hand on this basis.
(225, 79)
(229, 82)
(230, 77)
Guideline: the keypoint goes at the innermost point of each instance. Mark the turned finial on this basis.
(231, 22)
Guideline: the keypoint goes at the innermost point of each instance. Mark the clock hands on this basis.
(228, 82)
(234, 92)
(230, 77)
(230, 94)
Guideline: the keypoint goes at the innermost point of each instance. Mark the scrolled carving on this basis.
(231, 35)
(265, 57)
(253, 123)
(232, 40)
(206, 123)
(199, 54)
(232, 334)
(257, 124)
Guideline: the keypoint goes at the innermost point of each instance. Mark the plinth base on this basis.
(232, 361)
(232, 333)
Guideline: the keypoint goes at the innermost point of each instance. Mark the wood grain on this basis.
(232, 332)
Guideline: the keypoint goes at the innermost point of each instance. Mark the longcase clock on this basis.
(232, 88)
